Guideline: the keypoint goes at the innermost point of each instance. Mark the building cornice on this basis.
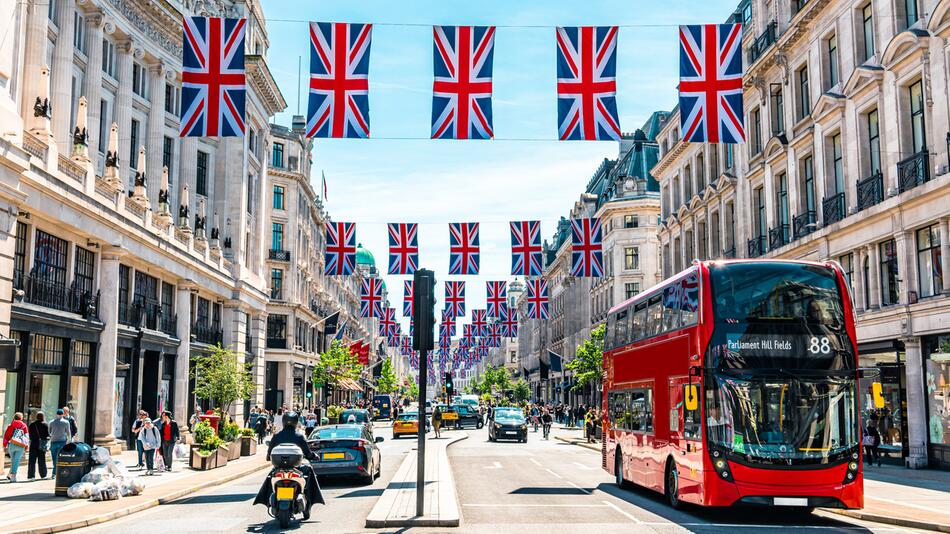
(261, 79)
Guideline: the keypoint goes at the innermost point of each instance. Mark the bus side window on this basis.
(656, 317)
(620, 329)
(639, 322)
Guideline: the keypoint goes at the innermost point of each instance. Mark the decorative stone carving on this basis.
(80, 135)
(164, 215)
(212, 8)
(200, 221)
(111, 176)
(162, 32)
(183, 211)
(139, 193)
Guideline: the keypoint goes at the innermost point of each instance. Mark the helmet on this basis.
(291, 419)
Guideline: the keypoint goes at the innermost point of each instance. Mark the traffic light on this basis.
(449, 388)
(423, 314)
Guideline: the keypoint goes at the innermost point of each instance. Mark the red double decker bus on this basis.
(735, 382)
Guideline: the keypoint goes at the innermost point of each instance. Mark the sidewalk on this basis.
(574, 436)
(396, 507)
(32, 507)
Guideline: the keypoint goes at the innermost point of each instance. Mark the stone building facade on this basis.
(846, 115)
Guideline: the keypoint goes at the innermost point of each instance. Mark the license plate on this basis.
(790, 501)
(333, 456)
(285, 494)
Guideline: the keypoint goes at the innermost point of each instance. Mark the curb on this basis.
(102, 518)
(908, 523)
(590, 446)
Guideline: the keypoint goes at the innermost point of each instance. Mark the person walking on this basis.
(260, 426)
(871, 441)
(73, 429)
(437, 421)
(136, 428)
(168, 428)
(60, 433)
(16, 440)
(39, 444)
(589, 425)
(151, 441)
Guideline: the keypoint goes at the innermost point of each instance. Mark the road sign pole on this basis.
(424, 319)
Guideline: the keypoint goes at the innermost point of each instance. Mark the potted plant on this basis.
(207, 455)
(201, 432)
(229, 433)
(248, 441)
(333, 413)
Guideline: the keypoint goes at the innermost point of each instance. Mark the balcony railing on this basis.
(778, 236)
(833, 208)
(763, 42)
(148, 314)
(204, 333)
(729, 253)
(870, 191)
(804, 224)
(276, 343)
(49, 294)
(278, 255)
(168, 323)
(757, 246)
(913, 171)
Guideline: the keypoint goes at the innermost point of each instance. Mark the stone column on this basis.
(37, 37)
(61, 77)
(874, 260)
(92, 81)
(105, 401)
(945, 253)
(916, 404)
(233, 333)
(188, 154)
(183, 354)
(154, 141)
(859, 281)
(259, 341)
(123, 105)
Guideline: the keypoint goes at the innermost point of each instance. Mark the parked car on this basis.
(508, 424)
(346, 450)
(467, 416)
(407, 424)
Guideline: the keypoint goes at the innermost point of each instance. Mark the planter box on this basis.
(223, 454)
(234, 450)
(203, 463)
(248, 445)
(333, 420)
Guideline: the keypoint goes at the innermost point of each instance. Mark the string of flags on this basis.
(214, 81)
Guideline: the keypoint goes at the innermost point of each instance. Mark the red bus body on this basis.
(662, 363)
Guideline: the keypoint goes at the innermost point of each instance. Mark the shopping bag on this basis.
(181, 451)
(159, 461)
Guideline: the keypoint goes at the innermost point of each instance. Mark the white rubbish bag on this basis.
(101, 455)
(181, 451)
(80, 490)
(159, 462)
(105, 491)
(97, 475)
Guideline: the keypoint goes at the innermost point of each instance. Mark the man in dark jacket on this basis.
(168, 430)
(289, 436)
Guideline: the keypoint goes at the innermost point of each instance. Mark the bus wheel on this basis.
(673, 486)
(618, 470)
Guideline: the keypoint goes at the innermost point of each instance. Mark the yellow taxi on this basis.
(406, 424)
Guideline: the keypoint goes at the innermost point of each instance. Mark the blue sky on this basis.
(372, 182)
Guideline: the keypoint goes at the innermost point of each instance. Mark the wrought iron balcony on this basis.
(204, 333)
(804, 224)
(778, 236)
(49, 294)
(730, 253)
(833, 208)
(757, 246)
(913, 171)
(870, 191)
(278, 255)
(168, 323)
(763, 42)
(276, 343)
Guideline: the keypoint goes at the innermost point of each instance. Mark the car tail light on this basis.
(360, 446)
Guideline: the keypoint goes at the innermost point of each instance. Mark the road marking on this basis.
(587, 467)
(553, 473)
(515, 505)
(625, 514)
(911, 505)
(537, 463)
(578, 487)
(495, 465)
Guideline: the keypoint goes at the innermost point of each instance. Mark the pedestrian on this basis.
(168, 429)
(589, 425)
(546, 421)
(252, 418)
(437, 421)
(871, 441)
(558, 411)
(16, 440)
(151, 441)
(73, 429)
(39, 444)
(60, 433)
(260, 426)
(136, 428)
(278, 421)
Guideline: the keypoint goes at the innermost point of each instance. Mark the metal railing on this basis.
(762, 43)
(804, 224)
(778, 236)
(913, 171)
(729, 253)
(833, 208)
(870, 191)
(757, 246)
(204, 333)
(278, 255)
(276, 343)
(50, 294)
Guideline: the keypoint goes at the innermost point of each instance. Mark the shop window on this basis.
(929, 268)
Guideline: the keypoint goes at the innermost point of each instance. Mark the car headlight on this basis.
(524, 427)
(497, 426)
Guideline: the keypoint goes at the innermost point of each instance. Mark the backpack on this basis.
(20, 437)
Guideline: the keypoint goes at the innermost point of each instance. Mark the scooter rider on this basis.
(289, 435)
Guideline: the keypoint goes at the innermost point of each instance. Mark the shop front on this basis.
(888, 358)
(145, 378)
(936, 353)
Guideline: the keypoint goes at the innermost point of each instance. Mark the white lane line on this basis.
(495, 465)
(535, 462)
(587, 467)
(515, 505)
(625, 514)
(578, 487)
(553, 473)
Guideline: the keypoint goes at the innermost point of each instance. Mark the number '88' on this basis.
(819, 345)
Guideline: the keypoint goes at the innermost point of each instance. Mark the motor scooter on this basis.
(289, 496)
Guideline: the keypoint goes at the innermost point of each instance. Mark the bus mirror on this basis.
(692, 400)
(878, 392)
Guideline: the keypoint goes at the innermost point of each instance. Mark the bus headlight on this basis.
(851, 474)
(721, 465)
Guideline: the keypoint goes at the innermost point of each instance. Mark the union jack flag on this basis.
(406, 342)
(468, 334)
(497, 297)
(465, 342)
(463, 248)
(339, 80)
(446, 330)
(387, 324)
(526, 248)
(587, 256)
(538, 299)
(461, 93)
(371, 297)
(494, 335)
(509, 322)
(455, 298)
(711, 83)
(403, 248)
(587, 83)
(341, 249)
(444, 342)
(213, 84)
(448, 320)
(408, 298)
(479, 323)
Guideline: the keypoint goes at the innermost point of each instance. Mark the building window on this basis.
(929, 268)
(889, 274)
(631, 289)
(168, 152)
(631, 258)
(172, 96)
(687, 184)
(847, 265)
(631, 221)
(134, 143)
(760, 218)
(277, 284)
(730, 156)
(911, 13)
(276, 327)
(804, 96)
(700, 173)
(49, 258)
(278, 197)
(201, 312)
(277, 159)
(781, 197)
(778, 109)
(808, 184)
(201, 174)
(277, 236)
(52, 11)
(104, 124)
(139, 80)
(832, 47)
(83, 271)
(19, 253)
(874, 142)
(108, 57)
(124, 272)
(756, 131)
(79, 32)
(837, 161)
(917, 131)
(867, 16)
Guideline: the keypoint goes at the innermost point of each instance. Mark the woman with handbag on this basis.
(151, 440)
(39, 444)
(16, 440)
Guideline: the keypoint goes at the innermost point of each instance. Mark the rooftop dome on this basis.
(364, 256)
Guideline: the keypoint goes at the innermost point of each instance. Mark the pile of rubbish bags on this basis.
(108, 481)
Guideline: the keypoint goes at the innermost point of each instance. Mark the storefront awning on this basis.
(350, 385)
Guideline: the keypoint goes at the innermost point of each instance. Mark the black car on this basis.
(345, 450)
(508, 424)
(467, 416)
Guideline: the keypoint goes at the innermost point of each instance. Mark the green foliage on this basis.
(229, 431)
(336, 364)
(499, 377)
(334, 411)
(522, 391)
(211, 445)
(467, 390)
(202, 431)
(248, 432)
(413, 391)
(221, 378)
(387, 378)
(486, 398)
(588, 365)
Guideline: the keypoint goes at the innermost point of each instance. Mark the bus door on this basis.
(686, 435)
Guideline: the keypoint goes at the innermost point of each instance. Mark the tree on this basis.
(588, 365)
(522, 391)
(221, 378)
(387, 378)
(413, 390)
(336, 364)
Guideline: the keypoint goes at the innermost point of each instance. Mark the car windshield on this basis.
(782, 420)
(337, 432)
(407, 417)
(510, 417)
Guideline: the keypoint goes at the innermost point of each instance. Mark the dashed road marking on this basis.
(553, 473)
(625, 514)
(535, 462)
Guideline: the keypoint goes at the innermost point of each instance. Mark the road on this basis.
(541, 486)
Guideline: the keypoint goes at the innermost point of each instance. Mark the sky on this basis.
(400, 175)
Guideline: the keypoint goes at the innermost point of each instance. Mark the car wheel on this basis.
(479, 425)
(672, 488)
